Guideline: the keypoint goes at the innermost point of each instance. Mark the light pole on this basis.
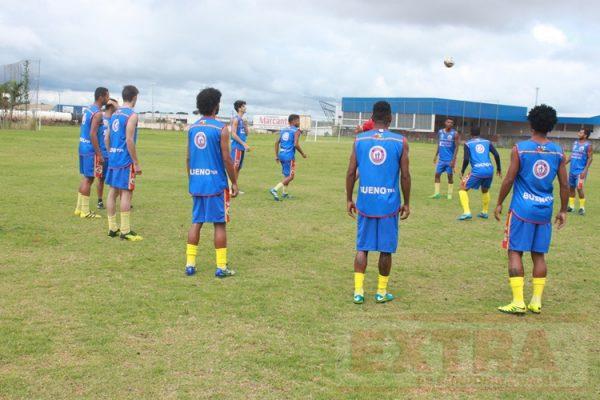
(152, 97)
(537, 92)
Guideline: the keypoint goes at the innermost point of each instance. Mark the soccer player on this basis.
(533, 166)
(239, 137)
(366, 126)
(477, 153)
(382, 160)
(580, 159)
(123, 165)
(89, 151)
(100, 168)
(447, 149)
(285, 153)
(209, 163)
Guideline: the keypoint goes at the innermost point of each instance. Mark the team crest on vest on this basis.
(285, 136)
(541, 169)
(480, 148)
(83, 118)
(115, 125)
(377, 155)
(200, 140)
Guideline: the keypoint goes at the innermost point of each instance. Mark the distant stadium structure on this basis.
(427, 115)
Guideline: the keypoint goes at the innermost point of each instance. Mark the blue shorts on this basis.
(475, 182)
(288, 168)
(521, 235)
(121, 178)
(86, 165)
(443, 167)
(576, 181)
(377, 234)
(212, 209)
(237, 156)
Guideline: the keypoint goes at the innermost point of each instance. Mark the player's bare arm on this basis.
(497, 160)
(350, 179)
(96, 122)
(508, 181)
(466, 157)
(589, 161)
(563, 182)
(435, 156)
(456, 144)
(234, 135)
(130, 140)
(405, 182)
(107, 139)
(228, 161)
(297, 143)
(277, 142)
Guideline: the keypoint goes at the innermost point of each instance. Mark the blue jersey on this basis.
(533, 198)
(103, 130)
(287, 147)
(579, 157)
(207, 175)
(118, 154)
(85, 140)
(479, 157)
(447, 144)
(378, 154)
(241, 132)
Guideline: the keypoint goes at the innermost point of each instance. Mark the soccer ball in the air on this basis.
(449, 62)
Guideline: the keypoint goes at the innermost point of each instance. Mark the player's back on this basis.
(287, 146)
(207, 175)
(378, 154)
(479, 157)
(85, 140)
(579, 156)
(103, 130)
(534, 184)
(447, 144)
(118, 153)
(241, 132)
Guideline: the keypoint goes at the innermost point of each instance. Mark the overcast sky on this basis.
(281, 55)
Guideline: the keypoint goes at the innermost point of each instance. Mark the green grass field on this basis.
(86, 316)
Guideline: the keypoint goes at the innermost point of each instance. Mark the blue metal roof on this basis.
(470, 109)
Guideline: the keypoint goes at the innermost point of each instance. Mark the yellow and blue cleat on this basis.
(483, 215)
(90, 215)
(274, 194)
(359, 298)
(383, 298)
(465, 217)
(513, 308)
(77, 212)
(535, 308)
(190, 270)
(224, 272)
(131, 236)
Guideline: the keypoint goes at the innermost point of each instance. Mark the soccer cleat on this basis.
(569, 209)
(274, 194)
(449, 196)
(190, 270)
(224, 273)
(513, 308)
(241, 193)
(90, 215)
(286, 196)
(581, 211)
(131, 236)
(465, 217)
(359, 298)
(77, 213)
(483, 215)
(435, 196)
(114, 234)
(535, 308)
(100, 205)
(379, 298)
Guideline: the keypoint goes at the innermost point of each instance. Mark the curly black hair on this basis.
(587, 132)
(99, 92)
(293, 117)
(238, 104)
(542, 118)
(207, 101)
(382, 112)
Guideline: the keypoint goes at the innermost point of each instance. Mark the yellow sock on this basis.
(516, 285)
(382, 282)
(464, 201)
(85, 205)
(450, 189)
(112, 223)
(485, 202)
(284, 189)
(359, 279)
(278, 186)
(78, 208)
(581, 203)
(125, 222)
(572, 202)
(538, 289)
(221, 258)
(437, 188)
(191, 250)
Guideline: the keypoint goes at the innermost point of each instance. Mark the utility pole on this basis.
(537, 92)
(152, 97)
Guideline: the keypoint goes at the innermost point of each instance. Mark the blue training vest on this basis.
(378, 154)
(446, 144)
(85, 140)
(118, 155)
(533, 198)
(579, 157)
(102, 131)
(479, 157)
(207, 175)
(241, 132)
(287, 147)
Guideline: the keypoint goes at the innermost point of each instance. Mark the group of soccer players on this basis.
(379, 161)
